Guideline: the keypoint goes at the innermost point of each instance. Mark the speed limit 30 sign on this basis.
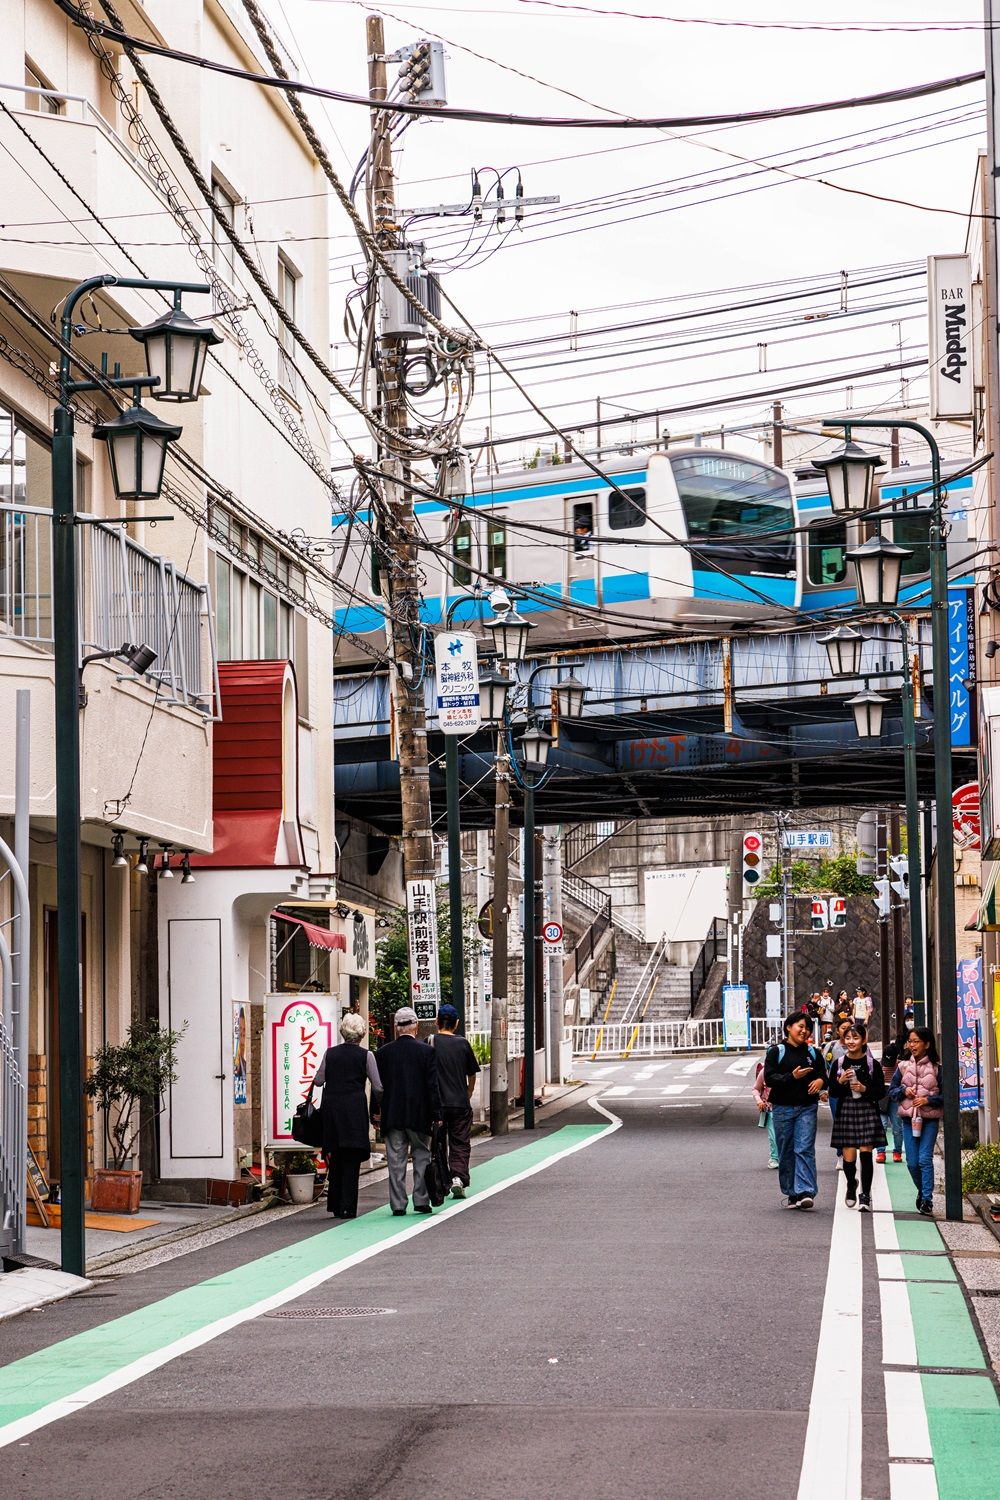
(552, 932)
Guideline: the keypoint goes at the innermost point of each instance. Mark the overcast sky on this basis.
(683, 239)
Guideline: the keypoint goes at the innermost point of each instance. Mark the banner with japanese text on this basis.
(297, 1031)
(422, 946)
(970, 1046)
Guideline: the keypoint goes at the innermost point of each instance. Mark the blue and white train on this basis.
(695, 536)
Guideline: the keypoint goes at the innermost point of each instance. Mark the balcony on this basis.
(126, 594)
(114, 181)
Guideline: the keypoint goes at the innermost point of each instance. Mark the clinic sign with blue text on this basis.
(456, 666)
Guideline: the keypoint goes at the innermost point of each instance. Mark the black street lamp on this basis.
(947, 1012)
(137, 460)
(176, 348)
(868, 709)
(510, 633)
(137, 449)
(570, 695)
(493, 689)
(878, 569)
(535, 746)
(843, 649)
(850, 478)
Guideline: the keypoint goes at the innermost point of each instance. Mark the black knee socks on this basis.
(867, 1171)
(851, 1173)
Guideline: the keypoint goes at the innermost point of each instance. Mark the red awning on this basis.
(316, 937)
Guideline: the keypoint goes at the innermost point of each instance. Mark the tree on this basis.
(839, 875)
(390, 989)
(137, 1072)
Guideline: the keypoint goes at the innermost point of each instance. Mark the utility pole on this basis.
(501, 870)
(898, 958)
(403, 624)
(777, 454)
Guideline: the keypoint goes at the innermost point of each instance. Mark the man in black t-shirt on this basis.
(456, 1069)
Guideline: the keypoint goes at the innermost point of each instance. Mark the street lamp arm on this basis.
(95, 283)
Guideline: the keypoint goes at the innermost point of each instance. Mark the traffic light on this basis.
(753, 854)
(819, 917)
(882, 898)
(838, 911)
(899, 877)
(421, 73)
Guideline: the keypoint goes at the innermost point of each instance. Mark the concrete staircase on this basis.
(672, 997)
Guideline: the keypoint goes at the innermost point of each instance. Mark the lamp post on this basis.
(132, 460)
(840, 470)
(530, 772)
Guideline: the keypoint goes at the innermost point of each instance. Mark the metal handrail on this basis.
(643, 991)
(583, 838)
(587, 894)
(714, 944)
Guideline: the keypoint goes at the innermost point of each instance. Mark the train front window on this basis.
(741, 511)
(827, 559)
(913, 531)
(461, 549)
(626, 508)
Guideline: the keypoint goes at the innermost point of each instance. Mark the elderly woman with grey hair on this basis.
(344, 1111)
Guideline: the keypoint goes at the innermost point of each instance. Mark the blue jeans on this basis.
(891, 1121)
(795, 1134)
(920, 1156)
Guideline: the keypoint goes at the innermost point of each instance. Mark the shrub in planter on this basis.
(981, 1171)
(124, 1078)
(300, 1176)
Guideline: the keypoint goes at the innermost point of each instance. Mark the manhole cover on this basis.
(331, 1312)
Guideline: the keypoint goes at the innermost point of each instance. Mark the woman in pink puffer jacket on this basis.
(916, 1084)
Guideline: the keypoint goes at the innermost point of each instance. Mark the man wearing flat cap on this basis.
(411, 1106)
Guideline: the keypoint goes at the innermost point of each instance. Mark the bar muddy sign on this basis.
(950, 323)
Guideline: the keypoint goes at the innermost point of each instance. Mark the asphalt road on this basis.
(639, 1319)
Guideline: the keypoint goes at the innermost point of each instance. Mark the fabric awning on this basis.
(985, 919)
(316, 937)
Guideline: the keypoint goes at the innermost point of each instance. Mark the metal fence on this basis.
(13, 1148)
(515, 1039)
(126, 594)
(713, 947)
(656, 1038)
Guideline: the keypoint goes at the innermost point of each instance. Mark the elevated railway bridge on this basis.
(713, 725)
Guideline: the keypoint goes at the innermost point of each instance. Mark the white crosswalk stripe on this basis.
(620, 1091)
(699, 1067)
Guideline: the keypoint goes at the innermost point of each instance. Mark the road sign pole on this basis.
(529, 953)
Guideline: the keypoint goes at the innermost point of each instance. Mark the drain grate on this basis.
(331, 1312)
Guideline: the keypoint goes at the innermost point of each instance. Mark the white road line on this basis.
(899, 1346)
(742, 1065)
(884, 1227)
(129, 1374)
(906, 1418)
(648, 1071)
(831, 1461)
(881, 1202)
(699, 1067)
(890, 1267)
(620, 1091)
(603, 1072)
(723, 1088)
(912, 1482)
(675, 1088)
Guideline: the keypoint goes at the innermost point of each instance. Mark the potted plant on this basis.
(124, 1079)
(300, 1175)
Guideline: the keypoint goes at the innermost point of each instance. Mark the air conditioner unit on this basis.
(400, 319)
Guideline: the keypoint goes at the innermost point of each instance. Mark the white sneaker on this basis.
(457, 1188)
(773, 1166)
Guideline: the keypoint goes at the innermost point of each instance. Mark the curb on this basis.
(32, 1287)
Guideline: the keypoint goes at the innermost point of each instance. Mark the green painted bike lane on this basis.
(962, 1408)
(54, 1376)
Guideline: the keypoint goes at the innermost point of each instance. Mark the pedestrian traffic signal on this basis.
(820, 915)
(899, 876)
(753, 854)
(838, 911)
(882, 898)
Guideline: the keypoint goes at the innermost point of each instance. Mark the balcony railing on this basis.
(126, 594)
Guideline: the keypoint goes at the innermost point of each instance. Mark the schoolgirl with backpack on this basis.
(857, 1082)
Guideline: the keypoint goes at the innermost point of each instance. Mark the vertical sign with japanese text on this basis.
(241, 1050)
(456, 665)
(422, 946)
(961, 664)
(297, 1029)
(736, 1016)
(970, 1052)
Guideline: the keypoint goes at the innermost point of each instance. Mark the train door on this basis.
(582, 573)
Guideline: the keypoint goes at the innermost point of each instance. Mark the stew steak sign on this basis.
(298, 1029)
(950, 323)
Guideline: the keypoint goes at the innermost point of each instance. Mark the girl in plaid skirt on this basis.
(858, 1083)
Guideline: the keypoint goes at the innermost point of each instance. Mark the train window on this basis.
(913, 531)
(827, 561)
(583, 527)
(742, 509)
(496, 548)
(461, 550)
(626, 508)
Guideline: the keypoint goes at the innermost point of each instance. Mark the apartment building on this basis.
(207, 781)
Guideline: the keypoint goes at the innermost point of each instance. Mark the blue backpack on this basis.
(813, 1052)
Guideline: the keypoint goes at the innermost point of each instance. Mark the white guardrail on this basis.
(654, 1038)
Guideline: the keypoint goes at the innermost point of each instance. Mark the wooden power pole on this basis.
(404, 625)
